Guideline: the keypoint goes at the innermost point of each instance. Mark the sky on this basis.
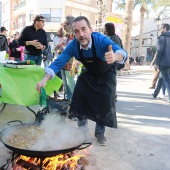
(136, 12)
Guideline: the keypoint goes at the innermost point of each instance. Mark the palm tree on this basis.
(127, 27)
(100, 6)
(162, 3)
(144, 4)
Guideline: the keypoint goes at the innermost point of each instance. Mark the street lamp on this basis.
(158, 20)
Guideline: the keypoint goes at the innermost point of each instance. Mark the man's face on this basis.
(40, 23)
(4, 32)
(162, 29)
(82, 32)
(67, 27)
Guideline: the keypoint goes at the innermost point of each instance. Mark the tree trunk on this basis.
(127, 28)
(100, 15)
(142, 12)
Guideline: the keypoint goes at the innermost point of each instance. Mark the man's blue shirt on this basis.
(101, 43)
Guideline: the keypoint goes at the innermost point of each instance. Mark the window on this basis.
(31, 16)
(51, 14)
(97, 3)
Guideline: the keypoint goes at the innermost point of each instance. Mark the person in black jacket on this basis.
(109, 30)
(3, 40)
(14, 48)
(163, 59)
(34, 39)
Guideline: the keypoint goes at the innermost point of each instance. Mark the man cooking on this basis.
(94, 93)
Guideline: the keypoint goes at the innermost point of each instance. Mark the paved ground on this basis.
(142, 139)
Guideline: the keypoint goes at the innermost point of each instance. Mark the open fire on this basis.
(71, 161)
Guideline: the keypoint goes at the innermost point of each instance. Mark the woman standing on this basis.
(16, 50)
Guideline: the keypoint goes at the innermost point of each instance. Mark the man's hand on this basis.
(156, 67)
(43, 82)
(33, 43)
(39, 46)
(111, 57)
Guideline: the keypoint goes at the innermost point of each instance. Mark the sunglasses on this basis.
(41, 20)
(15, 34)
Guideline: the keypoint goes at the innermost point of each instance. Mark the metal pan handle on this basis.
(84, 147)
(13, 121)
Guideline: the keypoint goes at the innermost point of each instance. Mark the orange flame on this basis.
(69, 160)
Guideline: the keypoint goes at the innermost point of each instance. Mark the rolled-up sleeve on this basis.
(50, 72)
(123, 54)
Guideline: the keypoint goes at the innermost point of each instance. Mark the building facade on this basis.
(150, 34)
(16, 14)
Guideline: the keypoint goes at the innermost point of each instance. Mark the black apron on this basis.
(94, 93)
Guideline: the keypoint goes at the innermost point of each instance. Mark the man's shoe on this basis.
(101, 139)
(153, 96)
(152, 87)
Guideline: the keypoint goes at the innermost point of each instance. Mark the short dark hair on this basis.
(82, 18)
(3, 29)
(110, 28)
(38, 18)
(165, 25)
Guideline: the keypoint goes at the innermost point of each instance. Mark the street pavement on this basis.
(142, 139)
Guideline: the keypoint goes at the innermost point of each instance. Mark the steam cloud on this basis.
(58, 134)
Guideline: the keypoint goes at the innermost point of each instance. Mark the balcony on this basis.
(20, 5)
(19, 9)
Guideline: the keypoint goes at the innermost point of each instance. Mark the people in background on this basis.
(47, 55)
(3, 42)
(16, 50)
(156, 73)
(150, 54)
(162, 56)
(68, 80)
(34, 39)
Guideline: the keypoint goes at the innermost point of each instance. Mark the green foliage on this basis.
(161, 3)
(146, 4)
(154, 49)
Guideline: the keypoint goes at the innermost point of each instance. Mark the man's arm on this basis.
(43, 82)
(117, 54)
(154, 59)
(111, 57)
(22, 40)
